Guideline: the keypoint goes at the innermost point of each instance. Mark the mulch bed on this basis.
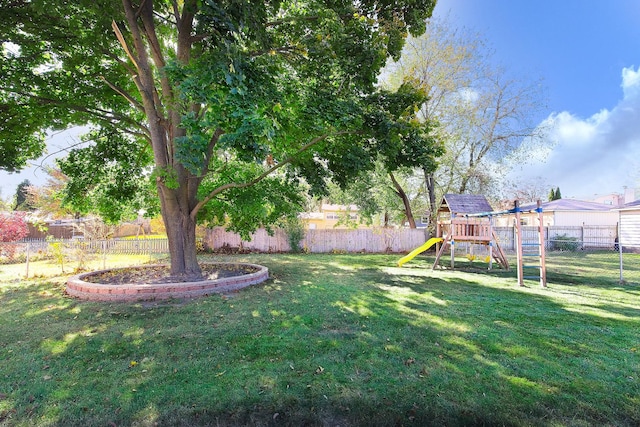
(161, 274)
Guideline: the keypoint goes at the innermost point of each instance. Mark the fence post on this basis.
(104, 254)
(28, 250)
(620, 255)
(541, 243)
(547, 239)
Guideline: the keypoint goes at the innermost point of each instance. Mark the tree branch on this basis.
(98, 113)
(123, 93)
(148, 92)
(195, 182)
(123, 43)
(291, 158)
(146, 13)
(283, 49)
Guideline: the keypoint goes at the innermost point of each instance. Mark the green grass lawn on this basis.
(332, 340)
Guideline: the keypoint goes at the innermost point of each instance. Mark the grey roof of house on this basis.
(568, 205)
(631, 205)
(465, 203)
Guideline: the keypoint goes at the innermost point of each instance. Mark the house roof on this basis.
(339, 208)
(465, 204)
(568, 205)
(635, 205)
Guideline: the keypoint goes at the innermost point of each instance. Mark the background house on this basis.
(333, 217)
(564, 212)
(616, 199)
(629, 217)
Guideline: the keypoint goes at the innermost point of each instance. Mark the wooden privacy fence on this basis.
(400, 240)
(323, 241)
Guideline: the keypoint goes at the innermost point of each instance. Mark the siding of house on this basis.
(329, 217)
(576, 218)
(630, 230)
(562, 218)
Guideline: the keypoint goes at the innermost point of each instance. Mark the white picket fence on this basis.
(322, 241)
(16, 252)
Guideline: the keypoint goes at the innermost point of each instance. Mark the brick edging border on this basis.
(79, 288)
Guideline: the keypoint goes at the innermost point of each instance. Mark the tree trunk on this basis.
(430, 183)
(181, 234)
(463, 184)
(405, 200)
(149, 59)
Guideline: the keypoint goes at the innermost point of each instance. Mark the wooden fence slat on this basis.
(323, 241)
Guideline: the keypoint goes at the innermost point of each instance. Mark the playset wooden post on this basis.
(518, 225)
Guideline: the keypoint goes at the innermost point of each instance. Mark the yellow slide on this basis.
(432, 241)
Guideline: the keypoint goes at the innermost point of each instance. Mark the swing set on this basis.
(469, 219)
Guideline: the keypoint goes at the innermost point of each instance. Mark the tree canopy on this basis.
(219, 107)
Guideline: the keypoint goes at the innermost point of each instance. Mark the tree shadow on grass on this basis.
(327, 341)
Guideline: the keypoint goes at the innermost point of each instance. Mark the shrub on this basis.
(565, 243)
(295, 233)
(13, 227)
(57, 250)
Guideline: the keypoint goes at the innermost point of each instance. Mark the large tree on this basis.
(230, 101)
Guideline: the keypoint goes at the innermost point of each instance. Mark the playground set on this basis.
(468, 219)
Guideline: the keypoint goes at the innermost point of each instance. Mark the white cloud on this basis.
(596, 155)
(630, 81)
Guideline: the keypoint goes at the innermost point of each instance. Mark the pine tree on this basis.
(21, 196)
(558, 196)
(554, 194)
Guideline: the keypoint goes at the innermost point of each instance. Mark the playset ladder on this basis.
(531, 251)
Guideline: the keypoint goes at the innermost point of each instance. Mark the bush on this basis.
(13, 227)
(565, 243)
(295, 233)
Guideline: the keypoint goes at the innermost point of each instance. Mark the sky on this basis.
(588, 54)
(57, 145)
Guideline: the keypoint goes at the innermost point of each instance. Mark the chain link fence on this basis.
(593, 251)
(616, 260)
